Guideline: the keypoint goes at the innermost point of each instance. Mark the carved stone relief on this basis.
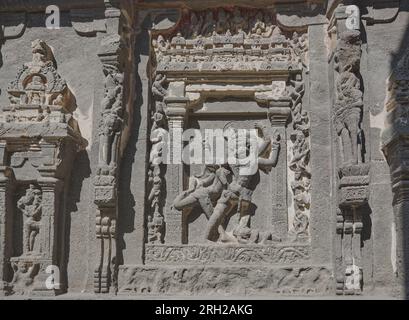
(168, 227)
(113, 51)
(39, 139)
(210, 280)
(353, 172)
(241, 41)
(186, 70)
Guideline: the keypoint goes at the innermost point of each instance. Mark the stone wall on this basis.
(87, 108)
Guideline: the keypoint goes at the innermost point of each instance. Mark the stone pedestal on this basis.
(354, 194)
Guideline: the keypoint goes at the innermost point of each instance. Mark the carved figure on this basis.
(30, 206)
(196, 21)
(299, 162)
(349, 102)
(158, 90)
(238, 194)
(158, 139)
(301, 152)
(111, 121)
(209, 24)
(155, 229)
(23, 276)
(41, 52)
(239, 22)
(204, 189)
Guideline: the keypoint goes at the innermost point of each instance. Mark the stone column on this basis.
(6, 226)
(50, 215)
(50, 238)
(396, 144)
(175, 112)
(279, 111)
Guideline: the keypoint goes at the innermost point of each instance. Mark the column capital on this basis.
(176, 107)
(279, 111)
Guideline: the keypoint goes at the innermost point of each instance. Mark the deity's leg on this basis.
(206, 205)
(103, 150)
(353, 127)
(217, 217)
(26, 237)
(113, 154)
(182, 201)
(346, 146)
(33, 235)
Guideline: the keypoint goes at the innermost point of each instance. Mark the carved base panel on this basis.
(227, 254)
(34, 276)
(225, 280)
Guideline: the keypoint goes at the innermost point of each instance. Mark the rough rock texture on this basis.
(93, 204)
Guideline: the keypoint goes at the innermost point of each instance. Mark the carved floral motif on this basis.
(299, 162)
(199, 254)
(158, 136)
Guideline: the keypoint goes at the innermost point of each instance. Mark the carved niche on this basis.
(39, 139)
(227, 69)
(235, 42)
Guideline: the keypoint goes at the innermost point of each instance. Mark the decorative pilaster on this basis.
(6, 224)
(111, 54)
(395, 146)
(175, 111)
(352, 171)
(50, 237)
(279, 112)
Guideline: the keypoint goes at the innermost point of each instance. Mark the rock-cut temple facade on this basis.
(116, 118)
